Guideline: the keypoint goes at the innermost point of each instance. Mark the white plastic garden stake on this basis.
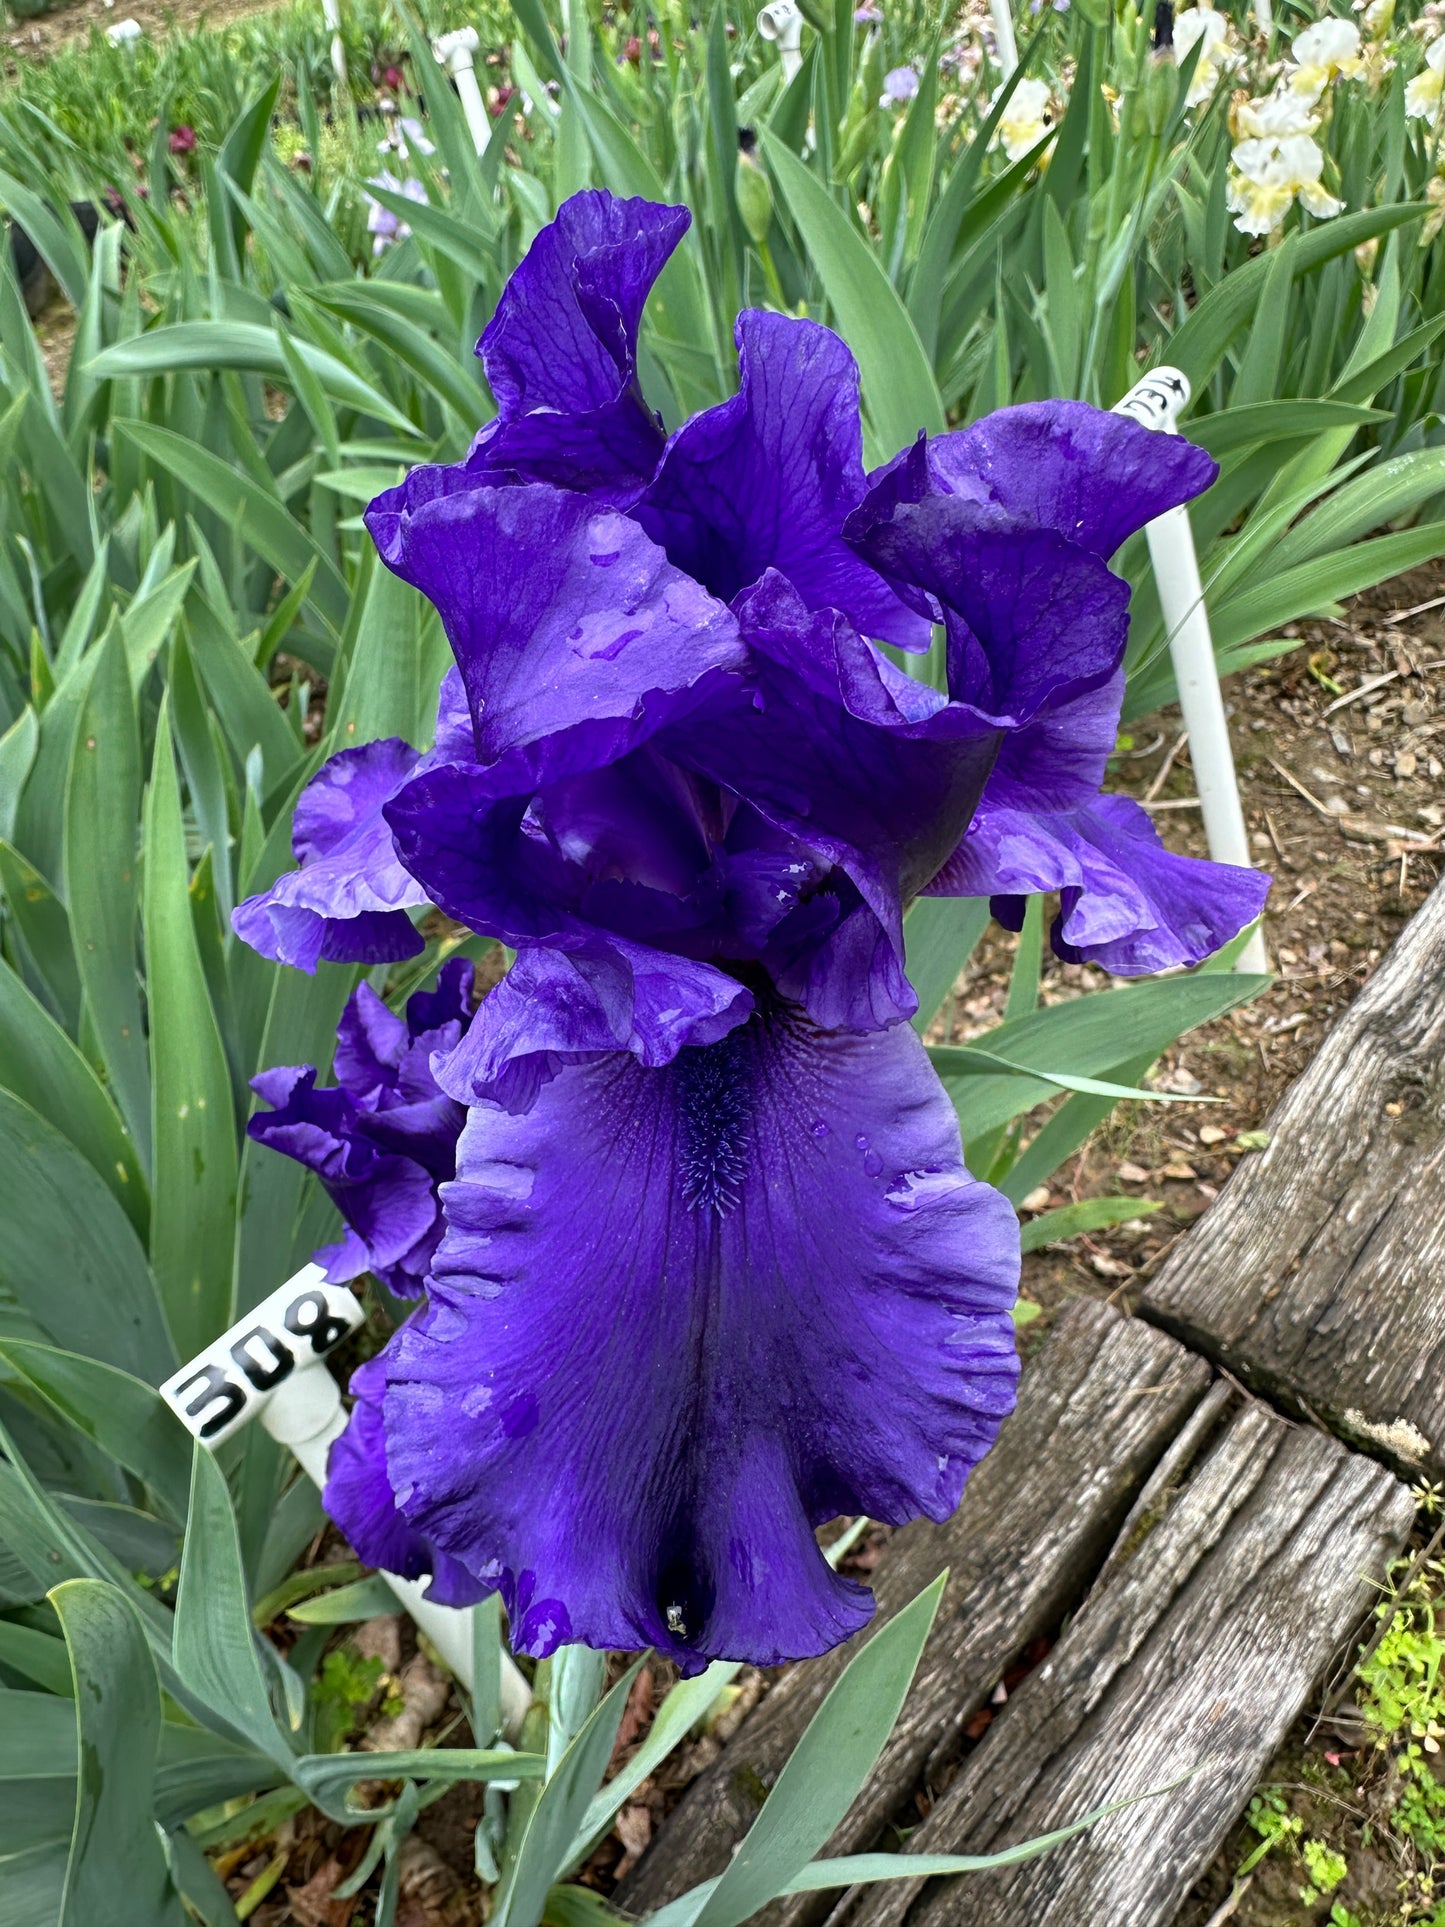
(1156, 401)
(1005, 45)
(331, 13)
(1264, 14)
(271, 1366)
(782, 21)
(457, 53)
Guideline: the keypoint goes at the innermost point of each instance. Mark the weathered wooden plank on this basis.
(1318, 1276)
(1097, 1410)
(1241, 1570)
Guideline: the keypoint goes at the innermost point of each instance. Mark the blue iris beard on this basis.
(715, 1132)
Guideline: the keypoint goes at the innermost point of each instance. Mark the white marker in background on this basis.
(1155, 402)
(457, 53)
(782, 22)
(271, 1365)
(331, 13)
(1005, 45)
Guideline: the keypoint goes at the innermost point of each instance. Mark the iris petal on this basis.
(388, 1201)
(681, 1317)
(349, 899)
(1033, 618)
(1091, 477)
(563, 617)
(357, 1489)
(554, 1007)
(766, 480)
(859, 763)
(1127, 902)
(384, 1136)
(561, 350)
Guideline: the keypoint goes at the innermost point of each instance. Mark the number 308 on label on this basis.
(229, 1382)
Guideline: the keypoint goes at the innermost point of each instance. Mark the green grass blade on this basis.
(899, 391)
(41, 1065)
(828, 1766)
(194, 1137)
(253, 516)
(214, 1647)
(102, 808)
(115, 1849)
(70, 1257)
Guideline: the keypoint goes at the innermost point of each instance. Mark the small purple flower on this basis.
(899, 85)
(384, 1136)
(867, 15)
(383, 223)
(713, 1268)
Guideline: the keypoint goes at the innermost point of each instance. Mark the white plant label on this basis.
(227, 1384)
(1155, 401)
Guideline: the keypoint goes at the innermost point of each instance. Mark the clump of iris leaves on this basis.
(183, 573)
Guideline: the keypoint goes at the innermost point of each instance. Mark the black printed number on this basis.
(216, 1388)
(269, 1369)
(310, 1317)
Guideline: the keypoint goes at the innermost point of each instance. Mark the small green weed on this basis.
(1402, 1698)
(344, 1687)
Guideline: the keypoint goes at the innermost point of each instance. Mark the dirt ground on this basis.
(75, 21)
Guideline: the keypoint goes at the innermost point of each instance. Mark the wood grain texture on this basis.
(1097, 1410)
(1243, 1567)
(1318, 1276)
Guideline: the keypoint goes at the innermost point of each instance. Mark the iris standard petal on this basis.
(348, 901)
(1127, 903)
(1032, 618)
(562, 617)
(371, 1042)
(561, 350)
(861, 764)
(681, 1317)
(1086, 474)
(358, 1490)
(767, 479)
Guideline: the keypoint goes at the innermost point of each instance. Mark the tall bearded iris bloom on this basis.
(713, 1269)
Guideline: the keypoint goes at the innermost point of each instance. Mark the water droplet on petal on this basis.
(861, 1142)
(820, 1129)
(872, 1165)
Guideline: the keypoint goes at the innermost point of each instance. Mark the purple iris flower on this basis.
(900, 84)
(384, 1137)
(714, 1270)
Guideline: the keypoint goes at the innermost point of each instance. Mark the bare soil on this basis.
(46, 34)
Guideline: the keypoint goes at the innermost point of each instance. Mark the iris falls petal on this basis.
(796, 1305)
